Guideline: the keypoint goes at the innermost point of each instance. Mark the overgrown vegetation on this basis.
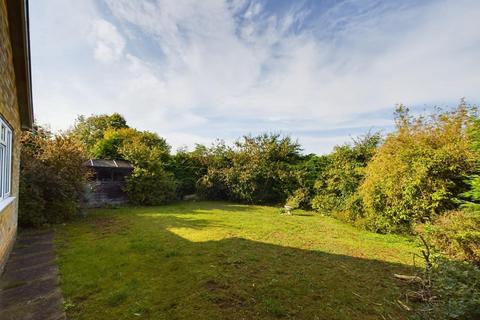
(423, 177)
(89, 130)
(109, 137)
(52, 177)
(337, 188)
(418, 171)
(457, 235)
(455, 291)
(187, 168)
(413, 176)
(256, 170)
(448, 207)
(445, 289)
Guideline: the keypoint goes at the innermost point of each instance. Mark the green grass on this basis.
(213, 260)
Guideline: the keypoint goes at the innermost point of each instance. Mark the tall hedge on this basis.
(337, 186)
(52, 178)
(258, 169)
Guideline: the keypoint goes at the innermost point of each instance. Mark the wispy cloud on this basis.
(109, 43)
(197, 70)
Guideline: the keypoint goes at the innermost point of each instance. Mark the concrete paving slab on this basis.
(29, 287)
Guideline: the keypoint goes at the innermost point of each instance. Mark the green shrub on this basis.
(260, 169)
(299, 199)
(212, 186)
(32, 203)
(215, 160)
(355, 208)
(52, 178)
(454, 292)
(418, 171)
(307, 170)
(150, 187)
(325, 202)
(470, 199)
(336, 188)
(150, 183)
(187, 169)
(256, 170)
(457, 234)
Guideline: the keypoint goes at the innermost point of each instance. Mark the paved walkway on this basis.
(29, 286)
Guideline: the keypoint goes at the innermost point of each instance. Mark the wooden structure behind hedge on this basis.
(108, 181)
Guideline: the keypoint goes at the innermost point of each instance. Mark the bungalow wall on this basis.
(9, 111)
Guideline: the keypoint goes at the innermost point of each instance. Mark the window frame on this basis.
(6, 159)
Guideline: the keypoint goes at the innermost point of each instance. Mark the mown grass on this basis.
(213, 260)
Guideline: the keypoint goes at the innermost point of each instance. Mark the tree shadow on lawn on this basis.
(232, 278)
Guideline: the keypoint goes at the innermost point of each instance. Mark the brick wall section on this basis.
(10, 112)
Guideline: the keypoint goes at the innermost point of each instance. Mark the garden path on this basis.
(29, 286)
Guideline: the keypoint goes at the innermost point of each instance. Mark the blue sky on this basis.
(193, 71)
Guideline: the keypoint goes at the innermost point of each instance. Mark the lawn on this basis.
(215, 260)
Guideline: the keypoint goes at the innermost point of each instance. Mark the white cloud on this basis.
(109, 43)
(323, 145)
(173, 66)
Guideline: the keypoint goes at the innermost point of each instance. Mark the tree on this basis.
(419, 170)
(130, 144)
(111, 138)
(336, 187)
(259, 168)
(150, 182)
(89, 130)
(471, 198)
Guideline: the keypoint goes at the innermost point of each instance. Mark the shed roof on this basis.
(104, 163)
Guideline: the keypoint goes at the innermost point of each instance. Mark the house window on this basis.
(5, 159)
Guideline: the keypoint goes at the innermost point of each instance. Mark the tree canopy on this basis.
(89, 130)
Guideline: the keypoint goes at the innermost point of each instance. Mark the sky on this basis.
(322, 71)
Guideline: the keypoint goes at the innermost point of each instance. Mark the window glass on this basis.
(5, 160)
(9, 162)
(2, 172)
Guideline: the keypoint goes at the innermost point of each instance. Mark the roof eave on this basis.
(20, 40)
